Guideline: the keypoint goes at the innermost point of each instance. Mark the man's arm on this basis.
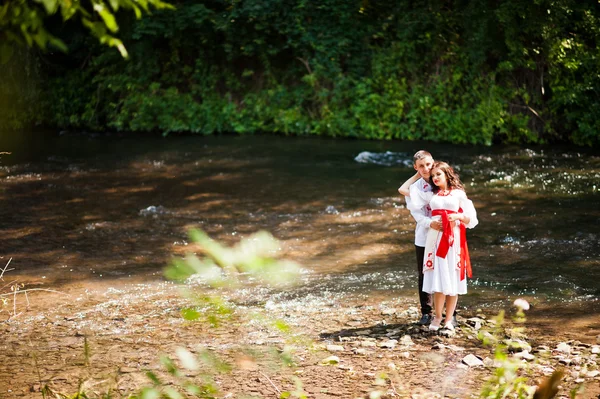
(405, 187)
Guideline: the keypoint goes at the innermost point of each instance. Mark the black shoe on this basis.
(425, 319)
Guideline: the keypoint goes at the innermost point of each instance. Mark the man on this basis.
(422, 162)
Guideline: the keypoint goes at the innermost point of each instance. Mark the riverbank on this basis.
(107, 338)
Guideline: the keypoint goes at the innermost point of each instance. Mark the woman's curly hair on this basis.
(452, 177)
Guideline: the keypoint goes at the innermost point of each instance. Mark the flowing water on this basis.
(84, 211)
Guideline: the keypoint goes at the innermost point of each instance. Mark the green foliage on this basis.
(215, 275)
(24, 21)
(473, 72)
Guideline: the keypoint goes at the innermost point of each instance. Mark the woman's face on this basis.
(439, 178)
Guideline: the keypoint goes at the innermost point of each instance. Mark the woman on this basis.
(446, 264)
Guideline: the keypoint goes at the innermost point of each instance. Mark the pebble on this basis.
(335, 348)
(472, 361)
(388, 312)
(360, 351)
(391, 344)
(595, 349)
(406, 340)
(524, 355)
(368, 344)
(563, 347)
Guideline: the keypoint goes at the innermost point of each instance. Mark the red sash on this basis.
(448, 240)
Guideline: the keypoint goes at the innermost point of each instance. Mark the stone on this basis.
(335, 348)
(592, 374)
(488, 362)
(595, 349)
(472, 361)
(524, 355)
(391, 344)
(475, 322)
(517, 345)
(563, 347)
(447, 332)
(388, 312)
(360, 351)
(368, 344)
(405, 355)
(576, 360)
(406, 340)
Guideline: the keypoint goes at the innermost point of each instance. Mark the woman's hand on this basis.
(460, 217)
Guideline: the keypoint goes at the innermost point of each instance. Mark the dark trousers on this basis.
(424, 297)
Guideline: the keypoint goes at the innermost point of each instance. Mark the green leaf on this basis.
(107, 16)
(153, 378)
(190, 314)
(149, 393)
(50, 5)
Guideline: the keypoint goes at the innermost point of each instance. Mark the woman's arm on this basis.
(405, 188)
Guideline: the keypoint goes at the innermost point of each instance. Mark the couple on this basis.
(436, 199)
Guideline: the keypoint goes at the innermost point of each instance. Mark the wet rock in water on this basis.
(563, 347)
(330, 360)
(472, 361)
(335, 348)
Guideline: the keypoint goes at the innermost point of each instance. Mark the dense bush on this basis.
(474, 71)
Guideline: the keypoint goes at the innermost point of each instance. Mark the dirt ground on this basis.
(105, 340)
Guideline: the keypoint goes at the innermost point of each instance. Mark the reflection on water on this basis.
(84, 209)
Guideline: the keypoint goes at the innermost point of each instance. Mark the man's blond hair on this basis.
(420, 155)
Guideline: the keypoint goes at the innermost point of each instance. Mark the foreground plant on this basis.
(510, 376)
(210, 281)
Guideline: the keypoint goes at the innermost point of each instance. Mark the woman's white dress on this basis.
(444, 274)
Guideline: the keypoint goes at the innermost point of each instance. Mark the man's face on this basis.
(423, 166)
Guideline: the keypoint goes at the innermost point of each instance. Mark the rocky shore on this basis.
(339, 347)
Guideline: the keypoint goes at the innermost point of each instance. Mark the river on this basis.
(113, 210)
